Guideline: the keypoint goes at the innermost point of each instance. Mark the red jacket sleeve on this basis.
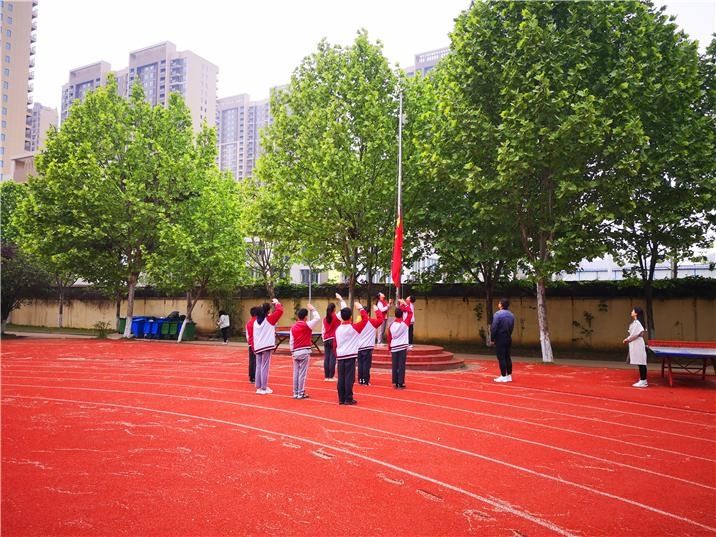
(276, 315)
(406, 310)
(360, 325)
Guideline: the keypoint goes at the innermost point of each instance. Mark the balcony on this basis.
(30, 87)
(33, 39)
(32, 62)
(31, 75)
(34, 25)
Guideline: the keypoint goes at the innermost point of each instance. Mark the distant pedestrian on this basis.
(347, 340)
(265, 342)
(300, 343)
(381, 310)
(398, 342)
(223, 324)
(250, 341)
(410, 301)
(637, 347)
(503, 322)
(328, 334)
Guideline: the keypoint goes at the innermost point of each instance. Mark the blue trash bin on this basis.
(138, 326)
(155, 331)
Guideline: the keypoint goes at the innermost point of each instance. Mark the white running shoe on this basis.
(641, 384)
(330, 379)
(500, 379)
(508, 378)
(261, 392)
(268, 390)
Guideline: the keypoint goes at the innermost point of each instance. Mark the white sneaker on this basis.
(410, 346)
(330, 379)
(500, 379)
(261, 392)
(268, 390)
(641, 384)
(508, 378)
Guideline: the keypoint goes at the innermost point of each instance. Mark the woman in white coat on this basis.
(637, 348)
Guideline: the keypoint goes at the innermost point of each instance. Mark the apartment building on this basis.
(426, 61)
(161, 70)
(40, 119)
(19, 23)
(238, 126)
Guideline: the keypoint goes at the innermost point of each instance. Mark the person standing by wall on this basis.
(300, 343)
(398, 342)
(347, 339)
(223, 323)
(503, 322)
(381, 310)
(637, 347)
(410, 301)
(265, 342)
(328, 335)
(250, 342)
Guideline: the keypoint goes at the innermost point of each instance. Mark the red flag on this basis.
(397, 252)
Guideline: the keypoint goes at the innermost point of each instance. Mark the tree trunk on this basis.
(131, 285)
(270, 289)
(649, 296)
(489, 311)
(61, 307)
(117, 311)
(545, 342)
(351, 290)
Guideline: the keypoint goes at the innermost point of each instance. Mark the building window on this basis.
(304, 276)
(8, 32)
(7, 45)
(6, 72)
(7, 59)
(4, 111)
(9, 20)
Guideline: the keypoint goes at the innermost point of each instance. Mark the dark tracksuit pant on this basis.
(329, 359)
(503, 349)
(398, 359)
(346, 379)
(365, 360)
(252, 365)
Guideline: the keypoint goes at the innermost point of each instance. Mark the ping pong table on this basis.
(284, 335)
(689, 357)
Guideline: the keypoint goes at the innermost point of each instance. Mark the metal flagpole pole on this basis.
(400, 173)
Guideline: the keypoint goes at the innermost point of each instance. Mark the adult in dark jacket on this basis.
(503, 322)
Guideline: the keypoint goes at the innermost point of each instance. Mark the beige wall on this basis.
(437, 319)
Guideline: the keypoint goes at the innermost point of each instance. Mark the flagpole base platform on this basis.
(420, 358)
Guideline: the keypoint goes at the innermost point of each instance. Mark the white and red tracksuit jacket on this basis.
(367, 336)
(348, 337)
(398, 332)
(300, 341)
(265, 332)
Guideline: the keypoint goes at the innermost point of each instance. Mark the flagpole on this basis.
(400, 175)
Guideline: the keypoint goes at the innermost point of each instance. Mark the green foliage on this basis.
(329, 169)
(102, 328)
(109, 181)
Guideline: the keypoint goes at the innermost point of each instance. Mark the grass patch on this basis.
(50, 330)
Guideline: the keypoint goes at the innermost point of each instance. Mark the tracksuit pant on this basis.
(329, 358)
(252, 365)
(300, 372)
(503, 348)
(346, 379)
(398, 359)
(365, 360)
(263, 361)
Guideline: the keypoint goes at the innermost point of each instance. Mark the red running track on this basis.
(141, 438)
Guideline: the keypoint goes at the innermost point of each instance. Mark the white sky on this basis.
(256, 44)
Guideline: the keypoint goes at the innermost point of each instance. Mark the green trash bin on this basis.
(121, 325)
(189, 331)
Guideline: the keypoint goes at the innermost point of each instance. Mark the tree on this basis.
(542, 100)
(330, 155)
(667, 209)
(471, 245)
(201, 248)
(108, 180)
(23, 277)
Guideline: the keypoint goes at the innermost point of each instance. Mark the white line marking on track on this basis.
(444, 407)
(398, 435)
(321, 446)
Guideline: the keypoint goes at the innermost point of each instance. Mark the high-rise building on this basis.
(238, 124)
(426, 61)
(19, 22)
(41, 118)
(161, 70)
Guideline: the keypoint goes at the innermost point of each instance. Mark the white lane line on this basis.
(513, 386)
(413, 439)
(465, 378)
(472, 399)
(497, 505)
(446, 424)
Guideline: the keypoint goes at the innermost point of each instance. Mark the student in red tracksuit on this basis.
(347, 340)
(381, 308)
(250, 341)
(410, 301)
(398, 342)
(300, 343)
(328, 334)
(365, 347)
(265, 342)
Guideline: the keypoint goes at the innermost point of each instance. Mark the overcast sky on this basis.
(256, 44)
